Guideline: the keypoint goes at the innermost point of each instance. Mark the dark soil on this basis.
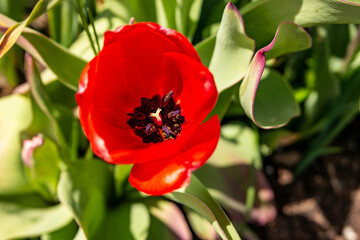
(324, 203)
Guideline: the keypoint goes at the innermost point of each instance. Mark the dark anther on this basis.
(157, 119)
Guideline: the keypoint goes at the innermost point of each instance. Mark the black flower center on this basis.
(157, 119)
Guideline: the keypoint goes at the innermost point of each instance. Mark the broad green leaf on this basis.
(236, 164)
(200, 225)
(16, 116)
(196, 197)
(19, 221)
(66, 232)
(158, 230)
(14, 32)
(270, 102)
(205, 49)
(126, 221)
(121, 174)
(274, 103)
(233, 50)
(171, 216)
(290, 38)
(223, 102)
(64, 64)
(42, 169)
(262, 19)
(84, 188)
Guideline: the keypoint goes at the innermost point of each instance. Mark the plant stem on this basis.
(85, 24)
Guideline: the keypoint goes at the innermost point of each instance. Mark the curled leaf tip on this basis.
(231, 6)
(28, 148)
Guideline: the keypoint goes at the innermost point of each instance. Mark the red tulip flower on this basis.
(143, 99)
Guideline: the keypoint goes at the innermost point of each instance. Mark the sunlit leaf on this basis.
(84, 188)
(270, 102)
(127, 220)
(205, 49)
(198, 198)
(171, 216)
(65, 65)
(42, 169)
(66, 232)
(262, 17)
(19, 221)
(233, 50)
(13, 33)
(16, 116)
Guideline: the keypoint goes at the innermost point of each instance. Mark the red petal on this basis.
(202, 143)
(135, 71)
(199, 94)
(166, 175)
(177, 38)
(86, 90)
(160, 177)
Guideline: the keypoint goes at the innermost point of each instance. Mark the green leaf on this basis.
(16, 117)
(236, 164)
(105, 21)
(165, 12)
(171, 216)
(13, 33)
(205, 49)
(43, 101)
(187, 16)
(129, 220)
(64, 64)
(233, 50)
(121, 174)
(43, 169)
(67, 232)
(84, 188)
(289, 38)
(19, 221)
(196, 197)
(262, 18)
(270, 102)
(274, 104)
(200, 225)
(325, 87)
(223, 102)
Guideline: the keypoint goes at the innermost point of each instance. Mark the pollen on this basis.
(157, 119)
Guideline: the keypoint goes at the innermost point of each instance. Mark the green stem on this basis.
(94, 29)
(85, 24)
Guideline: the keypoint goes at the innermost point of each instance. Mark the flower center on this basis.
(157, 119)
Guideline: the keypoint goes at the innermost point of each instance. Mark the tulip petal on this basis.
(161, 176)
(202, 142)
(165, 175)
(199, 93)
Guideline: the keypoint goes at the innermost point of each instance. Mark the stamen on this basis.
(157, 119)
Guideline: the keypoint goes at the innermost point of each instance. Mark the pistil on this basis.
(156, 117)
